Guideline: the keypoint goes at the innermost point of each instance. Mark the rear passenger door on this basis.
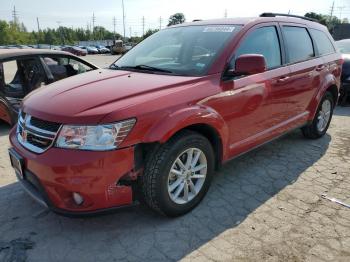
(305, 67)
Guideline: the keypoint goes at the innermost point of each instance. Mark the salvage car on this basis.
(344, 48)
(75, 50)
(102, 49)
(22, 71)
(158, 126)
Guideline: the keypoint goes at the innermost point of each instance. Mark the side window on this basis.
(298, 43)
(11, 74)
(263, 41)
(324, 45)
(12, 79)
(63, 67)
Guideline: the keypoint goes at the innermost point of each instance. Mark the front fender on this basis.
(166, 127)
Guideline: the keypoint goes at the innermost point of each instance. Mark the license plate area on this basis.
(16, 162)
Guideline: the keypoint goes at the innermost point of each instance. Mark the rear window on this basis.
(322, 42)
(298, 43)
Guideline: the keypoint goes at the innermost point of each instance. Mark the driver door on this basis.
(256, 106)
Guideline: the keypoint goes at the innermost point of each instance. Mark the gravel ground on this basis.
(263, 206)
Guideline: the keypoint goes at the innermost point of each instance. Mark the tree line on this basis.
(14, 33)
(17, 33)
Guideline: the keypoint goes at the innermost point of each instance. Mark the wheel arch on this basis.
(202, 120)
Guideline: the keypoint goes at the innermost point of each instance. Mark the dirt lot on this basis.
(264, 206)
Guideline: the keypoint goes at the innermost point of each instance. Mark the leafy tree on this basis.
(150, 32)
(177, 18)
(326, 20)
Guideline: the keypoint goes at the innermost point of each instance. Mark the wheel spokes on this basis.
(175, 184)
(187, 175)
(199, 168)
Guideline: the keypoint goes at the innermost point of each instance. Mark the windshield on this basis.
(343, 46)
(188, 50)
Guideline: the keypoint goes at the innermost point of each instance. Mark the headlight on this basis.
(96, 138)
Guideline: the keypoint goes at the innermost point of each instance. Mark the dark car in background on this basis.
(22, 71)
(75, 50)
(344, 48)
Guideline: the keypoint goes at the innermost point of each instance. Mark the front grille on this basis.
(35, 134)
(45, 125)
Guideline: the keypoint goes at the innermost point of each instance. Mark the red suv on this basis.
(175, 107)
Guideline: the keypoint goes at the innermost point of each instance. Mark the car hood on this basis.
(88, 97)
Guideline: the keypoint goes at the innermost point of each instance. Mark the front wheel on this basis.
(178, 174)
(322, 119)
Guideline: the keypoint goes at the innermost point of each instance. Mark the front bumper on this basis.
(52, 177)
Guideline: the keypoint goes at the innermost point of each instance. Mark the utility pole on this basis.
(340, 11)
(130, 31)
(93, 25)
(225, 15)
(37, 22)
(15, 16)
(60, 29)
(332, 10)
(143, 26)
(123, 19)
(114, 25)
(160, 23)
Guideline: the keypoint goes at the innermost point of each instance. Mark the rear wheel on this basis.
(322, 120)
(178, 174)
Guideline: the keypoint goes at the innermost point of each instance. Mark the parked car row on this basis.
(76, 50)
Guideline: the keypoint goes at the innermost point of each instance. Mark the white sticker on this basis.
(219, 29)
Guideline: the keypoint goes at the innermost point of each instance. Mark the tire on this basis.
(157, 180)
(313, 130)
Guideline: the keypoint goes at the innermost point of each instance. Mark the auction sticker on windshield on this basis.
(219, 29)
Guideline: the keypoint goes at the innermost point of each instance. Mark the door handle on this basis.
(283, 79)
(320, 68)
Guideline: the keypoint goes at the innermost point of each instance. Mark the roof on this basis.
(12, 53)
(247, 20)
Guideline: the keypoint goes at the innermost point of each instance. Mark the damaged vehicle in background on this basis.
(22, 71)
(344, 48)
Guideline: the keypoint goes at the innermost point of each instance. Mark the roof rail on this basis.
(288, 15)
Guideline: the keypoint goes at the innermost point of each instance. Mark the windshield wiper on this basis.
(143, 67)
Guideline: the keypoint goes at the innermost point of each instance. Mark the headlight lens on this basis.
(96, 138)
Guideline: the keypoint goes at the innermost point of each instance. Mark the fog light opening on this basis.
(78, 199)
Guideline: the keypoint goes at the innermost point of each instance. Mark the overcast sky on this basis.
(78, 13)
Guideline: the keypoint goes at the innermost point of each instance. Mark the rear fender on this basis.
(327, 82)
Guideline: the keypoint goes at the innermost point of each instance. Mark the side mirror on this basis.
(249, 64)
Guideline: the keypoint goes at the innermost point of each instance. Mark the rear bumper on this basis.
(51, 178)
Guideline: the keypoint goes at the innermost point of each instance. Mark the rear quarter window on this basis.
(298, 44)
(322, 42)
